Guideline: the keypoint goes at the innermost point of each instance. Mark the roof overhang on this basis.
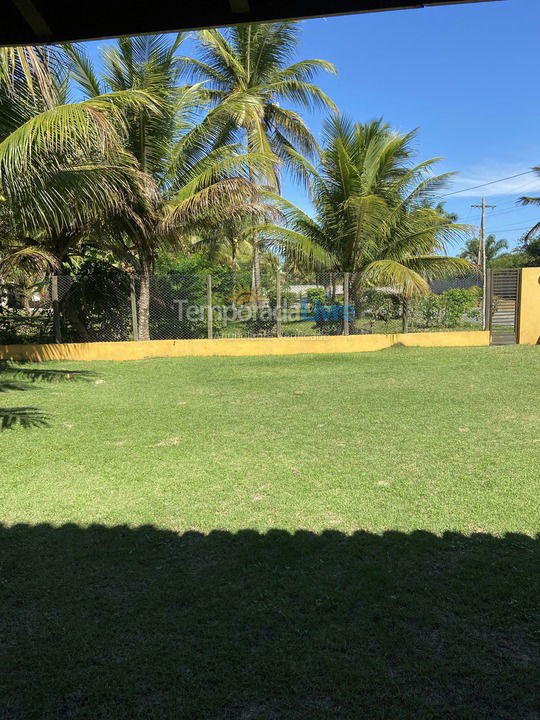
(31, 22)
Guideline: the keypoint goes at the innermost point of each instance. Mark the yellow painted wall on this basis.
(238, 347)
(529, 309)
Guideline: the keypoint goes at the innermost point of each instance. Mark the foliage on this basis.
(457, 303)
(191, 174)
(514, 259)
(378, 305)
(61, 162)
(288, 298)
(531, 250)
(449, 309)
(247, 75)
(164, 157)
(169, 318)
(373, 215)
(261, 322)
(19, 325)
(493, 248)
(316, 295)
(329, 317)
(531, 243)
(94, 303)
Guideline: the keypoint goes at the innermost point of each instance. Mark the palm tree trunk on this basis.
(355, 294)
(144, 303)
(234, 264)
(27, 292)
(405, 315)
(256, 272)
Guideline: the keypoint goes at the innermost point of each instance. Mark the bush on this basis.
(329, 317)
(316, 296)
(95, 303)
(450, 309)
(429, 310)
(456, 303)
(380, 306)
(30, 324)
(287, 298)
(262, 322)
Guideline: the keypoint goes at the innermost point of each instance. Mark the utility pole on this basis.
(482, 262)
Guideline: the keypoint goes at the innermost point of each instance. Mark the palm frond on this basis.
(390, 273)
(29, 260)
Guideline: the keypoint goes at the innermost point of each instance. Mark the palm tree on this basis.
(527, 200)
(191, 176)
(226, 241)
(61, 163)
(493, 248)
(371, 215)
(30, 67)
(531, 242)
(247, 72)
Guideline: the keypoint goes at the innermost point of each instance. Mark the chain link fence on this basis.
(109, 306)
(26, 312)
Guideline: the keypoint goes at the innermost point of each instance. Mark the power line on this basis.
(492, 182)
(513, 205)
(508, 229)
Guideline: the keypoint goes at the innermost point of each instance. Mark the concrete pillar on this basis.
(529, 307)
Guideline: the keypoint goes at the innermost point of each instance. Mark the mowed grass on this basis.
(278, 537)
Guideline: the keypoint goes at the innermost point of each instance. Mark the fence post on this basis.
(346, 303)
(56, 309)
(486, 300)
(209, 307)
(134, 319)
(278, 303)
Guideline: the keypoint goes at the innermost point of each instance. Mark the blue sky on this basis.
(465, 75)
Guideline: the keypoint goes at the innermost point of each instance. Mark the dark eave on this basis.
(26, 22)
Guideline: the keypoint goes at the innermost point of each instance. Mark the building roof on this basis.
(27, 22)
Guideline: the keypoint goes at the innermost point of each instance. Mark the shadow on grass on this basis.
(11, 375)
(145, 623)
(26, 417)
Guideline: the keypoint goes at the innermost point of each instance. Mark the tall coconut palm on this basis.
(249, 72)
(493, 248)
(191, 176)
(371, 214)
(62, 163)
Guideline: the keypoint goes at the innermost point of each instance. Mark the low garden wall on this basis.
(239, 346)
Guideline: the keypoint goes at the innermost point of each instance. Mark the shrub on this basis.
(287, 298)
(95, 303)
(380, 306)
(261, 323)
(329, 317)
(447, 310)
(316, 296)
(429, 310)
(456, 303)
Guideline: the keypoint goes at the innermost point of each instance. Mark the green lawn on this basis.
(316, 537)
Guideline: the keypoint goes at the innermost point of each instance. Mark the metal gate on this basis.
(503, 294)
